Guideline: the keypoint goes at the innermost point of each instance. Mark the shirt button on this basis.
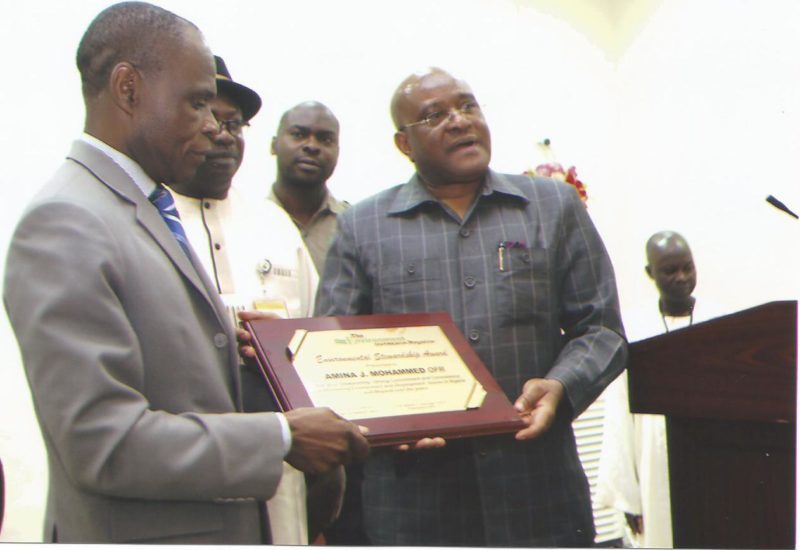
(220, 340)
(217, 246)
(465, 232)
(412, 268)
(474, 335)
(469, 281)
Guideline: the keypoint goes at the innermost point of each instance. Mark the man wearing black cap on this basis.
(255, 256)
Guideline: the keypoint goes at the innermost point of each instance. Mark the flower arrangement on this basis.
(556, 171)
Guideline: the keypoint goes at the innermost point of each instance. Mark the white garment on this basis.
(633, 473)
(256, 256)
(253, 251)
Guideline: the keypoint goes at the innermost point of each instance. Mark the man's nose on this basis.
(223, 135)
(210, 125)
(311, 146)
(456, 118)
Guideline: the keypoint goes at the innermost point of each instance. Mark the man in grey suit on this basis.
(131, 359)
(521, 269)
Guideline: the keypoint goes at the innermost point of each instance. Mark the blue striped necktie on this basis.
(161, 198)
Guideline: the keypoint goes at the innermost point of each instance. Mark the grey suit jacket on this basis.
(133, 370)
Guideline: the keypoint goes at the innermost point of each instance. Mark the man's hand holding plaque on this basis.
(538, 405)
(321, 439)
(412, 379)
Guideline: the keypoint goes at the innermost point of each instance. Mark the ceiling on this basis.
(610, 24)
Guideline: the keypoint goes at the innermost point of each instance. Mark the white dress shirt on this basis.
(131, 167)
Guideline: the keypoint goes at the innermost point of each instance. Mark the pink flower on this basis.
(556, 171)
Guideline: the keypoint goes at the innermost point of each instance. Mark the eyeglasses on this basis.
(233, 126)
(469, 110)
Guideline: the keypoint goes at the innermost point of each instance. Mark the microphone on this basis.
(780, 206)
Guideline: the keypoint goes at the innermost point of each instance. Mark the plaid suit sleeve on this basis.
(344, 288)
(595, 349)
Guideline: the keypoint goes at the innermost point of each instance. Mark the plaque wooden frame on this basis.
(495, 416)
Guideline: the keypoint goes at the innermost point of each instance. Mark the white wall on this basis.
(710, 98)
(689, 129)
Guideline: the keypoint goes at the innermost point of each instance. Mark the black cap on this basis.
(249, 101)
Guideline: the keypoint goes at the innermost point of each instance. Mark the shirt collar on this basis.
(144, 182)
(333, 204)
(414, 194)
(329, 202)
(233, 195)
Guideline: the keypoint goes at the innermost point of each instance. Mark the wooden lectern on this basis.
(728, 390)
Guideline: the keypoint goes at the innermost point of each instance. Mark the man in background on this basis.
(519, 266)
(130, 355)
(634, 471)
(306, 149)
(257, 261)
(254, 253)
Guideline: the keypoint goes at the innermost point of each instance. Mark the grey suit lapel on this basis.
(111, 175)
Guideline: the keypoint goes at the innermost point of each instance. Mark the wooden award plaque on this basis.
(496, 415)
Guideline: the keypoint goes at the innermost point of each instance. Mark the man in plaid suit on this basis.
(518, 264)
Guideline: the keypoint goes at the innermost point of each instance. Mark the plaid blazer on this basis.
(528, 280)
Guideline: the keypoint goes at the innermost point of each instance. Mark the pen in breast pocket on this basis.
(501, 256)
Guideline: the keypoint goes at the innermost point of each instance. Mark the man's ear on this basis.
(649, 271)
(272, 145)
(401, 141)
(125, 84)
